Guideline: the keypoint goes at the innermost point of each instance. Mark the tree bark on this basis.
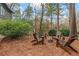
(51, 21)
(35, 20)
(57, 16)
(72, 18)
(40, 32)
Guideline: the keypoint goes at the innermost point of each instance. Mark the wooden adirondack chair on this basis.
(38, 40)
(66, 44)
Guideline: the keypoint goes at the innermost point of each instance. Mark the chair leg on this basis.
(42, 41)
(57, 43)
(65, 48)
(39, 42)
(33, 40)
(35, 43)
(72, 48)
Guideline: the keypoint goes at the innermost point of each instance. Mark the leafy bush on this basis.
(65, 31)
(52, 32)
(14, 28)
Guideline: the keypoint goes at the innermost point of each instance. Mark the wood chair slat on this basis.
(38, 40)
(63, 44)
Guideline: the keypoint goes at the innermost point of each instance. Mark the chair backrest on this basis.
(71, 39)
(35, 36)
(45, 35)
(42, 38)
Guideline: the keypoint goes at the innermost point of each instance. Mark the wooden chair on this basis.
(66, 44)
(45, 35)
(37, 40)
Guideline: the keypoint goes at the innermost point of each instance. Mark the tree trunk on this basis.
(51, 21)
(40, 32)
(72, 18)
(35, 20)
(48, 23)
(57, 16)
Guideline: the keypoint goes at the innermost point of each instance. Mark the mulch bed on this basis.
(23, 47)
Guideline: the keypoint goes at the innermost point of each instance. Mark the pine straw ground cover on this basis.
(23, 47)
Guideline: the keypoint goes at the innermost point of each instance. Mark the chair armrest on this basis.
(55, 38)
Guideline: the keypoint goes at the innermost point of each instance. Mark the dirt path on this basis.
(23, 47)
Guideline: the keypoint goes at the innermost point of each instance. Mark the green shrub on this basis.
(65, 32)
(52, 32)
(14, 28)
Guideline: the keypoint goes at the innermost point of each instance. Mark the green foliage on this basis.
(51, 8)
(30, 22)
(65, 31)
(52, 32)
(14, 28)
